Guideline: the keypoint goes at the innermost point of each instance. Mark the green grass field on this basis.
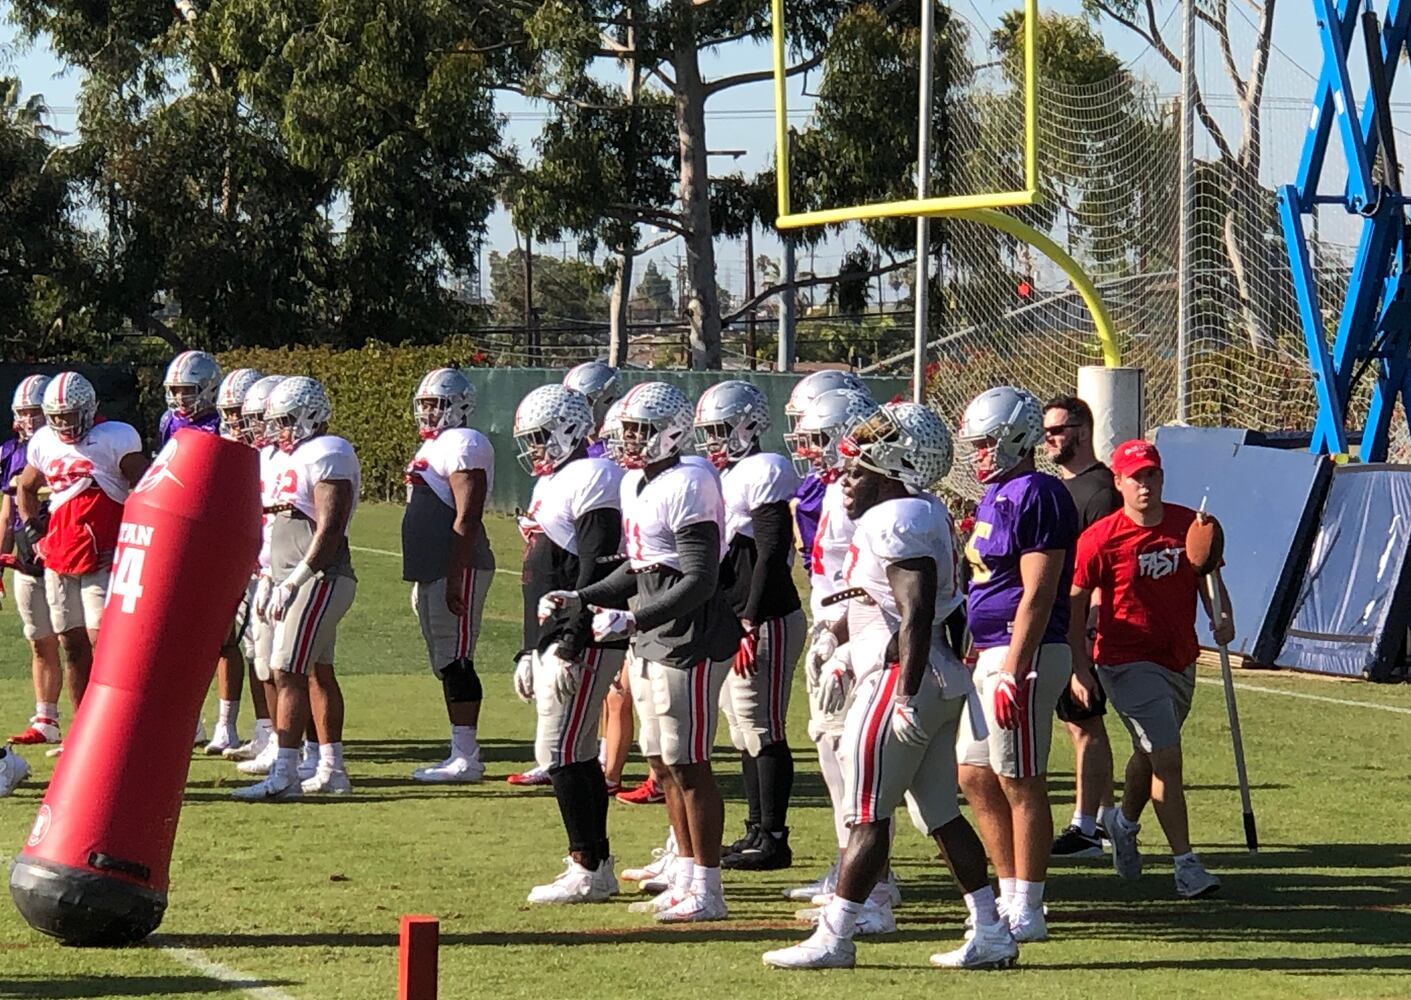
(303, 900)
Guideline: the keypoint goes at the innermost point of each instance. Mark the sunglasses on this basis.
(1058, 429)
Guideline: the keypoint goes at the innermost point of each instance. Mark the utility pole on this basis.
(531, 339)
(785, 362)
(750, 342)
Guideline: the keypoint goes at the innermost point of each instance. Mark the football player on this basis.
(814, 441)
(808, 502)
(576, 504)
(89, 467)
(899, 738)
(28, 411)
(311, 587)
(757, 486)
(1021, 570)
(685, 633)
(192, 381)
(446, 556)
(597, 381)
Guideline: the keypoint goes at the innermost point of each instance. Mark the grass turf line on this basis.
(306, 898)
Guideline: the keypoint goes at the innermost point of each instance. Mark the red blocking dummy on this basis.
(94, 869)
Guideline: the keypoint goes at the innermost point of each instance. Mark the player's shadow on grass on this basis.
(432, 751)
(61, 986)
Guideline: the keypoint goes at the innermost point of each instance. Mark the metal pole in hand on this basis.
(1251, 835)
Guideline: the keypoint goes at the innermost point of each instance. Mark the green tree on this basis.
(654, 291)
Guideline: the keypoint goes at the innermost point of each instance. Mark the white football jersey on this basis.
(828, 557)
(906, 528)
(326, 458)
(269, 486)
(96, 459)
(683, 495)
(578, 487)
(753, 481)
(456, 449)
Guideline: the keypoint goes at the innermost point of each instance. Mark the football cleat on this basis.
(1126, 855)
(262, 762)
(992, 946)
(875, 918)
(648, 793)
(768, 853)
(662, 858)
(824, 885)
(1193, 881)
(659, 903)
(13, 770)
(458, 769)
(275, 788)
(248, 751)
(695, 908)
(327, 781)
(534, 776)
(308, 763)
(1027, 925)
(225, 739)
(823, 950)
(40, 731)
(577, 884)
(1074, 843)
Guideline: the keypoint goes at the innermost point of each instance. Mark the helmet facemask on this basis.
(28, 419)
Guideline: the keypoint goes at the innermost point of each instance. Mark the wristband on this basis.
(300, 575)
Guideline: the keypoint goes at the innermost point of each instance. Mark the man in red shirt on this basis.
(1145, 652)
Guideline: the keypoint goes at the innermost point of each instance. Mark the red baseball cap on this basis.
(1131, 457)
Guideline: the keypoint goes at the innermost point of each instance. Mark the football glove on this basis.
(556, 599)
(524, 677)
(567, 674)
(745, 665)
(820, 651)
(1010, 697)
(906, 723)
(610, 625)
(260, 602)
(837, 683)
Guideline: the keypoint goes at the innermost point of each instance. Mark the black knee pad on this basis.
(460, 681)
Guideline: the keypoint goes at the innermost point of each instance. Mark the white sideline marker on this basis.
(199, 961)
(1311, 697)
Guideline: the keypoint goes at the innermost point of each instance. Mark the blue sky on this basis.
(740, 118)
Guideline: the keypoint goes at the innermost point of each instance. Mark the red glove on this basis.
(1012, 698)
(745, 658)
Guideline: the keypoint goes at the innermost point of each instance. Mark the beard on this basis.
(1065, 454)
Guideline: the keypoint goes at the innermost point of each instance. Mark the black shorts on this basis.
(1069, 710)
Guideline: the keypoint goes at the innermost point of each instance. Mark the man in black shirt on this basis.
(1068, 441)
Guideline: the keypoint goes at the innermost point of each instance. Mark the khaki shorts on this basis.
(567, 732)
(306, 635)
(447, 637)
(880, 771)
(1151, 700)
(1021, 752)
(684, 702)
(33, 605)
(756, 707)
(76, 600)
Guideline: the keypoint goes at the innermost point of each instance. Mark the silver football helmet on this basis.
(230, 400)
(596, 380)
(821, 427)
(193, 377)
(549, 425)
(902, 441)
(1001, 427)
(254, 430)
(816, 384)
(70, 406)
(27, 407)
(611, 432)
(656, 423)
(445, 398)
(731, 417)
(297, 410)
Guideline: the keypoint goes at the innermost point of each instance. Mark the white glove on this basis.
(567, 675)
(556, 599)
(610, 625)
(820, 651)
(260, 602)
(279, 600)
(837, 681)
(524, 677)
(906, 723)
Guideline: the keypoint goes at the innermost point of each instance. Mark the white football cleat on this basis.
(659, 903)
(13, 770)
(327, 781)
(225, 739)
(275, 788)
(263, 761)
(824, 885)
(875, 918)
(823, 950)
(1027, 925)
(695, 908)
(248, 751)
(465, 770)
(991, 946)
(308, 764)
(575, 885)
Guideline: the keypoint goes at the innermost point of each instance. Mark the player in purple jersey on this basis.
(192, 379)
(1021, 568)
(28, 411)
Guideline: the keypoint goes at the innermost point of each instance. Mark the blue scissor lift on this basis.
(1374, 328)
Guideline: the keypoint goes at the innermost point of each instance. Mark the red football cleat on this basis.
(40, 731)
(646, 794)
(534, 776)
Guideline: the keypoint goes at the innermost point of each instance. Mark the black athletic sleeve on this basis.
(535, 581)
(698, 547)
(773, 536)
(613, 590)
(599, 535)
